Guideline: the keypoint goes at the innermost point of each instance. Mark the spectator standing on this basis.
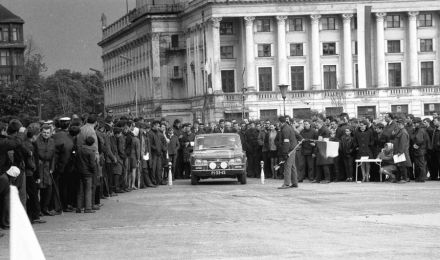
(401, 146)
(420, 142)
(308, 155)
(87, 169)
(364, 141)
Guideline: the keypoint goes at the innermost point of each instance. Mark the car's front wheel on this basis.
(194, 179)
(242, 178)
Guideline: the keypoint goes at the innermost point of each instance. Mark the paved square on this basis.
(226, 220)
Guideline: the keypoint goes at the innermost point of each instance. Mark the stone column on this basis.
(282, 57)
(348, 57)
(250, 55)
(380, 49)
(412, 29)
(155, 56)
(316, 67)
(216, 74)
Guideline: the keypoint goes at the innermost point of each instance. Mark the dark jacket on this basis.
(251, 139)
(435, 140)
(86, 161)
(30, 165)
(45, 160)
(173, 145)
(389, 129)
(121, 147)
(420, 138)
(364, 142)
(156, 143)
(401, 145)
(63, 149)
(309, 135)
(287, 140)
(347, 146)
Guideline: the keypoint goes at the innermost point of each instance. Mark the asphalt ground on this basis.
(221, 219)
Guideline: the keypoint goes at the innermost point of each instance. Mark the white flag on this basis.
(23, 241)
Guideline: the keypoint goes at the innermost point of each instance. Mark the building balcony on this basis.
(156, 9)
(234, 101)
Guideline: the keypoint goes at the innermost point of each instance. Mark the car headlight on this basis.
(212, 165)
(235, 161)
(198, 162)
(224, 165)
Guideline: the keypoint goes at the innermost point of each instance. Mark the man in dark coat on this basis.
(286, 141)
(420, 142)
(308, 152)
(64, 176)
(401, 146)
(157, 150)
(251, 139)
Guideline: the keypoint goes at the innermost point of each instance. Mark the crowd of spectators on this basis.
(70, 164)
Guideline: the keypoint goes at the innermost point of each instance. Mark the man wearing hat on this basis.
(420, 143)
(63, 151)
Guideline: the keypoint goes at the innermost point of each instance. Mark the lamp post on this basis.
(135, 82)
(243, 113)
(97, 74)
(283, 90)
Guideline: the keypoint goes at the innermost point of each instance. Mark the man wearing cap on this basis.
(63, 151)
(420, 143)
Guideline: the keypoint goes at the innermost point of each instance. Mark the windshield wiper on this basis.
(220, 146)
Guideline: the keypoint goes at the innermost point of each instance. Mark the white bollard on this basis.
(170, 175)
(262, 172)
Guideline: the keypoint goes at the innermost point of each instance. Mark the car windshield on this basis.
(220, 141)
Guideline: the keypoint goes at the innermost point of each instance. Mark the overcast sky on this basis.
(67, 31)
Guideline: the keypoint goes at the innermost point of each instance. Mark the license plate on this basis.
(218, 172)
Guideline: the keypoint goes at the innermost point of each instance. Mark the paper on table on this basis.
(399, 158)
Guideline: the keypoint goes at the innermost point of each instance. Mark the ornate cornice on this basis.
(249, 20)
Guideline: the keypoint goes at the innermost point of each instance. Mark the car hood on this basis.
(229, 154)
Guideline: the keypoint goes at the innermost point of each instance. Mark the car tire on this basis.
(243, 178)
(194, 180)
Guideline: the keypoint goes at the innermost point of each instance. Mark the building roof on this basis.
(7, 16)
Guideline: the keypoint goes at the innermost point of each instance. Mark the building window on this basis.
(226, 28)
(297, 77)
(269, 114)
(365, 111)
(427, 73)
(426, 45)
(302, 113)
(403, 109)
(394, 75)
(227, 52)
(14, 34)
(328, 23)
(5, 79)
(228, 81)
(263, 25)
(333, 111)
(431, 108)
(393, 21)
(265, 78)
(329, 48)
(4, 57)
(393, 46)
(355, 48)
(17, 59)
(330, 81)
(4, 33)
(264, 50)
(296, 25)
(296, 49)
(425, 20)
(176, 73)
(174, 41)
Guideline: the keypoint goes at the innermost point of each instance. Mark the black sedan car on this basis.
(218, 156)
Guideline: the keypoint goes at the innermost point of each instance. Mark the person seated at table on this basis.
(388, 167)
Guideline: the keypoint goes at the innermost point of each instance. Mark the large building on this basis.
(11, 46)
(212, 59)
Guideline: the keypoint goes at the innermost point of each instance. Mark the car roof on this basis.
(218, 134)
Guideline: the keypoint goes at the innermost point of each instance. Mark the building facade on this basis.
(216, 59)
(11, 46)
